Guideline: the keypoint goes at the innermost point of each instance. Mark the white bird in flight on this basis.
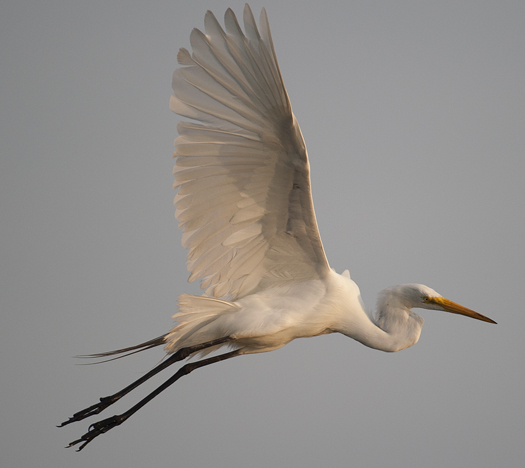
(245, 207)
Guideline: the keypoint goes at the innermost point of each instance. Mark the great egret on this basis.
(246, 211)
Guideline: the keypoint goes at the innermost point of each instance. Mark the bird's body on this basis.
(245, 207)
(269, 319)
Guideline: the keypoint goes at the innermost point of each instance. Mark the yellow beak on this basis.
(450, 306)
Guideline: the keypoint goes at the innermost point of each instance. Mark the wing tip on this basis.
(184, 57)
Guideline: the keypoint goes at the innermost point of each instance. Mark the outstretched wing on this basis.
(244, 200)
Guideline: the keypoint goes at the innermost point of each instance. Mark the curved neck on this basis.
(392, 330)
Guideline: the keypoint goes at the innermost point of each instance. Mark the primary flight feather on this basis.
(245, 208)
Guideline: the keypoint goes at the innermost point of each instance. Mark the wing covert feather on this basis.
(244, 200)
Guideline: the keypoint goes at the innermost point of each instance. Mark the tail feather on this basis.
(160, 340)
(199, 321)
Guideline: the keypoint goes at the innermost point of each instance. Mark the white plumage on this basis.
(244, 199)
(245, 207)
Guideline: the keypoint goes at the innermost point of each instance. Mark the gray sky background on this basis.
(414, 117)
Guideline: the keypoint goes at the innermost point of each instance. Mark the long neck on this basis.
(395, 326)
(393, 329)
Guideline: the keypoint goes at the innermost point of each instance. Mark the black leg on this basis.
(109, 400)
(105, 425)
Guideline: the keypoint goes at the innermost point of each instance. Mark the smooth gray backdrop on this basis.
(413, 113)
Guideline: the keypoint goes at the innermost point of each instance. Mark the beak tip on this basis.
(484, 318)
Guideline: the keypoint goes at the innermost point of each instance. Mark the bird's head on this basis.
(420, 296)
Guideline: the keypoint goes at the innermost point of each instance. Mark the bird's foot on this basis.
(98, 428)
(92, 410)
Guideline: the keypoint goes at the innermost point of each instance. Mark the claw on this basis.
(98, 428)
(75, 442)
